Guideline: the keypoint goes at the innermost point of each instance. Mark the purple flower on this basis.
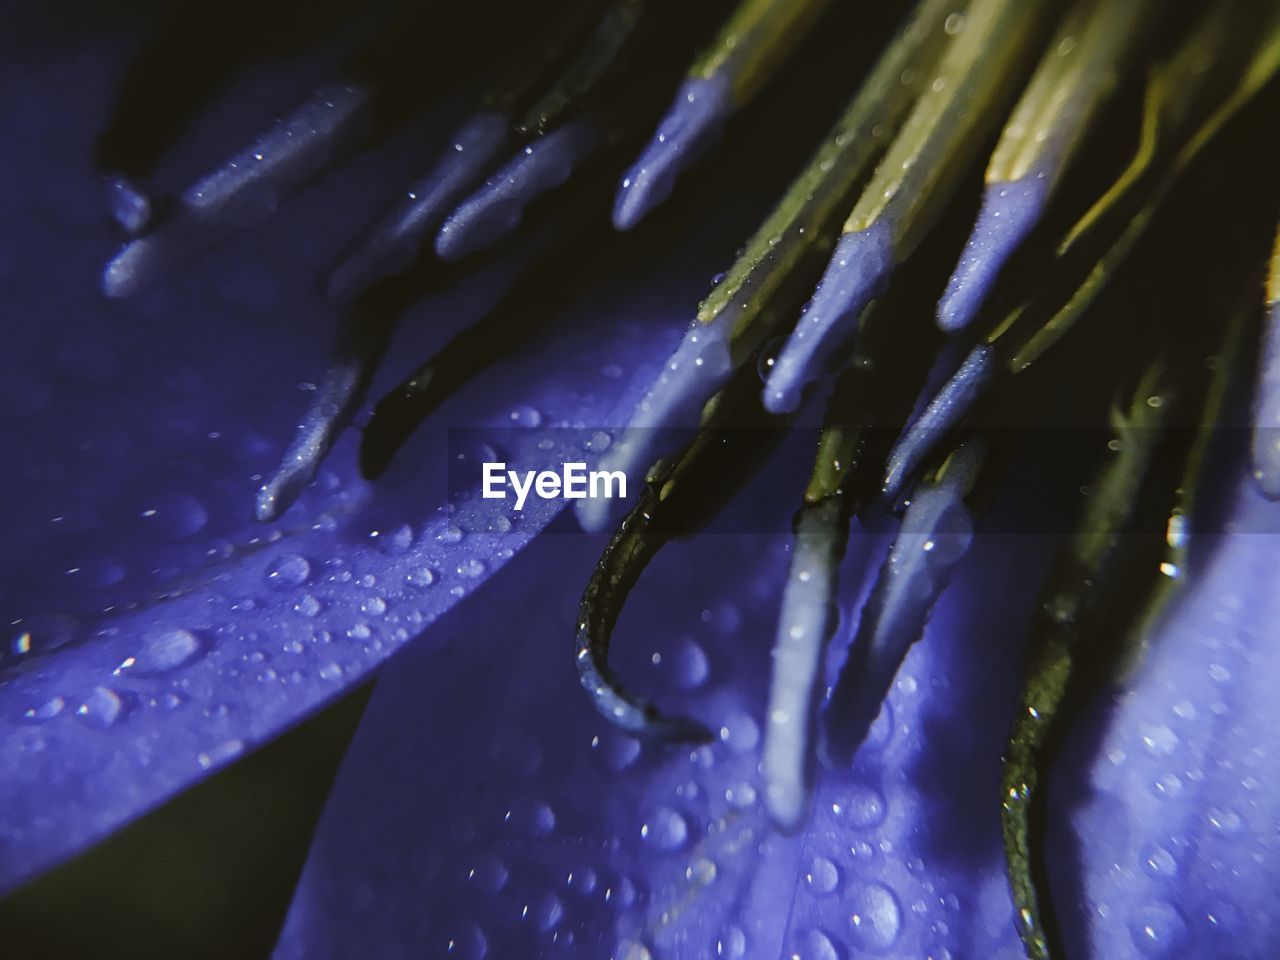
(158, 634)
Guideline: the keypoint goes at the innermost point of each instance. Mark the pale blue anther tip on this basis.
(856, 274)
(692, 124)
(395, 241)
(944, 412)
(130, 207)
(497, 208)
(1009, 212)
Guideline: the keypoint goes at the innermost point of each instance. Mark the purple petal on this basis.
(156, 631)
(484, 805)
(1176, 812)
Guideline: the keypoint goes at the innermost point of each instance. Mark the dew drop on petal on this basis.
(691, 665)
(420, 577)
(101, 708)
(331, 671)
(45, 711)
(471, 568)
(741, 795)
(468, 944)
(307, 606)
(822, 875)
(452, 533)
(164, 650)
(289, 570)
(740, 732)
(864, 807)
(732, 944)
(398, 541)
(526, 416)
(549, 913)
(874, 916)
(1159, 931)
(1223, 820)
(1159, 862)
(702, 872)
(1159, 740)
(818, 946)
(489, 874)
(219, 754)
(633, 950)
(665, 829)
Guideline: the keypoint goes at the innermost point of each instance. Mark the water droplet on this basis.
(818, 946)
(1160, 741)
(101, 708)
(549, 913)
(875, 917)
(865, 807)
(42, 633)
(526, 416)
(489, 874)
(399, 540)
(1159, 931)
(665, 829)
(701, 873)
(954, 24)
(822, 875)
(179, 516)
(582, 882)
(420, 577)
(307, 606)
(162, 651)
(452, 533)
(471, 568)
(633, 950)
(741, 795)
(732, 944)
(1225, 821)
(691, 665)
(374, 607)
(740, 732)
(768, 356)
(45, 711)
(598, 442)
(541, 821)
(289, 570)
(468, 944)
(331, 671)
(617, 751)
(1159, 862)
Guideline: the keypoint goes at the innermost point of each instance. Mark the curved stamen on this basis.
(679, 496)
